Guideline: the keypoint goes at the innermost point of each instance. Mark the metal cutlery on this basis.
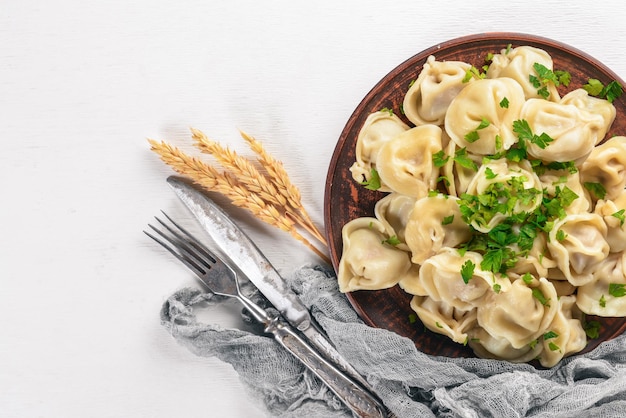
(222, 279)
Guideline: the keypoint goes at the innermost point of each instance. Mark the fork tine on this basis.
(189, 239)
(174, 248)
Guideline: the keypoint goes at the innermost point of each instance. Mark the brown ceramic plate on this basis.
(346, 200)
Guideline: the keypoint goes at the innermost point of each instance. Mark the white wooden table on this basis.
(83, 84)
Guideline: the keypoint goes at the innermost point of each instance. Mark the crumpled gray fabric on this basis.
(410, 383)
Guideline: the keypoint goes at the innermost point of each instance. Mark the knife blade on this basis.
(241, 251)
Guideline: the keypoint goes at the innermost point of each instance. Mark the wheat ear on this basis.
(211, 179)
(279, 177)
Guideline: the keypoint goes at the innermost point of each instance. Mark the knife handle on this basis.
(360, 401)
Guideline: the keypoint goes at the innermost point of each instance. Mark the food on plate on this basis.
(502, 206)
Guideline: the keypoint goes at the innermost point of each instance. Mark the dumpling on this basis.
(596, 297)
(435, 223)
(517, 179)
(367, 262)
(518, 64)
(428, 98)
(574, 131)
(405, 163)
(486, 345)
(441, 277)
(578, 244)
(393, 211)
(565, 335)
(444, 319)
(520, 313)
(379, 127)
(607, 165)
(582, 100)
(477, 120)
(612, 211)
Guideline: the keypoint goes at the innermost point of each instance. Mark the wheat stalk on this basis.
(226, 184)
(280, 179)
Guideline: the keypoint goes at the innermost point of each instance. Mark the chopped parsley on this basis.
(473, 72)
(525, 133)
(461, 158)
(553, 347)
(388, 110)
(592, 329)
(620, 215)
(374, 182)
(550, 334)
(610, 92)
(440, 159)
(467, 271)
(474, 136)
(447, 220)
(546, 76)
(597, 189)
(617, 290)
(602, 301)
(504, 103)
(393, 241)
(538, 294)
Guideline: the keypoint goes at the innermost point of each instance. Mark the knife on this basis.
(243, 254)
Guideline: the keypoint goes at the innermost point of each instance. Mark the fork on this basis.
(222, 279)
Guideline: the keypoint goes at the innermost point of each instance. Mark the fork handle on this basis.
(359, 400)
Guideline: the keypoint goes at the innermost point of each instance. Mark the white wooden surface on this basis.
(84, 83)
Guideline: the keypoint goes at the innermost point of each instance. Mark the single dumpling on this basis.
(435, 222)
(394, 211)
(518, 64)
(444, 319)
(606, 165)
(405, 163)
(379, 127)
(368, 262)
(565, 335)
(573, 131)
(520, 313)
(447, 277)
(478, 118)
(582, 100)
(428, 98)
(605, 296)
(578, 244)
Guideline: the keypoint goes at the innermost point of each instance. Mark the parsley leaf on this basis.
(374, 182)
(610, 92)
(553, 346)
(440, 159)
(597, 189)
(393, 241)
(550, 334)
(467, 271)
(620, 215)
(538, 294)
(602, 301)
(593, 87)
(504, 103)
(460, 157)
(592, 329)
(617, 290)
(447, 220)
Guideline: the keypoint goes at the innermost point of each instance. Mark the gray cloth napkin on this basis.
(411, 383)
